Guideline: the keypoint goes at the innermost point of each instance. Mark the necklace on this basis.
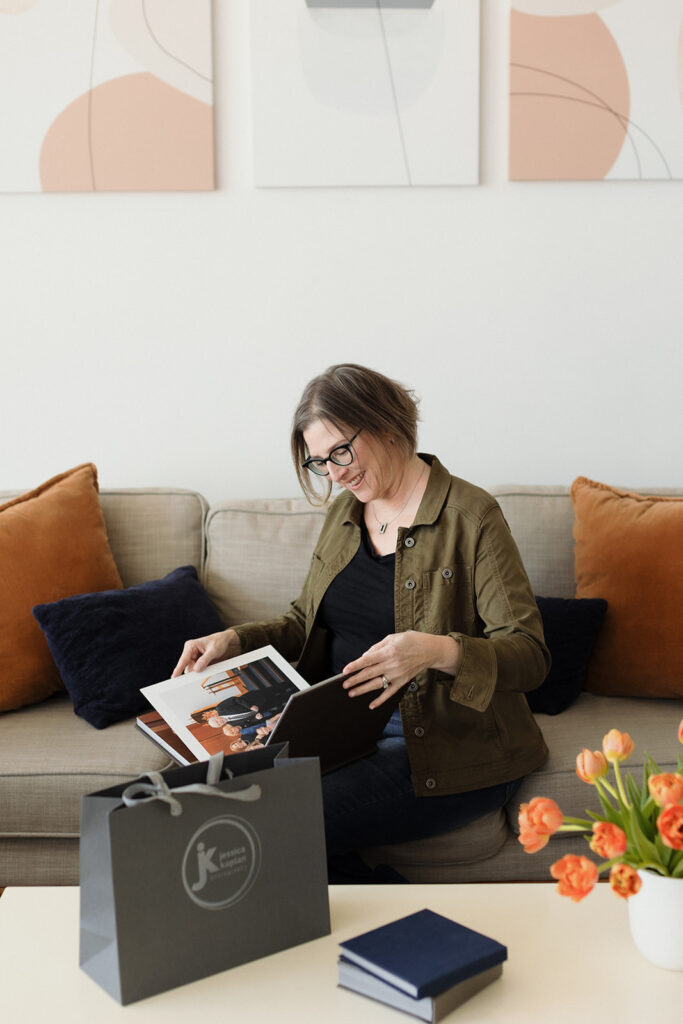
(383, 526)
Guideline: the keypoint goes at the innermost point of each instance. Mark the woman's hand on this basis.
(197, 654)
(396, 660)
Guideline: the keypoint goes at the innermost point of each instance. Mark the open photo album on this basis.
(231, 706)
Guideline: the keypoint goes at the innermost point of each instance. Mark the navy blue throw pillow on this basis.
(109, 644)
(571, 626)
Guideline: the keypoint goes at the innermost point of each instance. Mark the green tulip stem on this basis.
(608, 786)
(573, 824)
(620, 785)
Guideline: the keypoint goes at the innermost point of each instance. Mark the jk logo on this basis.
(221, 862)
(205, 866)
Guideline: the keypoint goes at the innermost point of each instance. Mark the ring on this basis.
(385, 682)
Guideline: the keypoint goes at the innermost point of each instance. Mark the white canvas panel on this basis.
(374, 95)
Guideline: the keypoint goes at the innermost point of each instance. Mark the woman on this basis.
(415, 585)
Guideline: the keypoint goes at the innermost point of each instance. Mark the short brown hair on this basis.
(349, 396)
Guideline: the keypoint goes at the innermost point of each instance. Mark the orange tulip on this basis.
(625, 880)
(680, 731)
(670, 825)
(537, 821)
(576, 876)
(608, 840)
(617, 746)
(532, 841)
(666, 788)
(591, 765)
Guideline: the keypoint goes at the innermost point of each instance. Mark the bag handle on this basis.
(140, 792)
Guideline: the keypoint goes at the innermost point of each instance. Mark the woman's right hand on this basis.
(203, 651)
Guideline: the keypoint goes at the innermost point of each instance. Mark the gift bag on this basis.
(190, 871)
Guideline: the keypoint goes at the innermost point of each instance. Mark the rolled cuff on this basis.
(475, 681)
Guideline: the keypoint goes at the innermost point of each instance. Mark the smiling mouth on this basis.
(352, 484)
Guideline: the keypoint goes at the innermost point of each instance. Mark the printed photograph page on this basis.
(231, 706)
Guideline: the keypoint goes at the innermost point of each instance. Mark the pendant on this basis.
(383, 527)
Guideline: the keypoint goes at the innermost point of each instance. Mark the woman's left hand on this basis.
(388, 665)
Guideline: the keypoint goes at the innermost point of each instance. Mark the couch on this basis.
(252, 556)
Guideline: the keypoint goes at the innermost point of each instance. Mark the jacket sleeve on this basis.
(512, 655)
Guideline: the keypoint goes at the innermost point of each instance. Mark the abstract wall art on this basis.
(106, 95)
(596, 90)
(365, 92)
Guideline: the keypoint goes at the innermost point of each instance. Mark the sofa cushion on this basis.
(50, 758)
(258, 554)
(428, 860)
(540, 519)
(110, 644)
(53, 543)
(153, 530)
(571, 627)
(629, 550)
(652, 725)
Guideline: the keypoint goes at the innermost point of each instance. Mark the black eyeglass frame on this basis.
(313, 460)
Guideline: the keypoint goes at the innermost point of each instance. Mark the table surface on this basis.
(566, 962)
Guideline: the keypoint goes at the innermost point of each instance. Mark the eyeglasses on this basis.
(342, 455)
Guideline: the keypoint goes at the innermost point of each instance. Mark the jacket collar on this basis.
(432, 502)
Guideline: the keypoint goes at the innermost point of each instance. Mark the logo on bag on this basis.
(221, 862)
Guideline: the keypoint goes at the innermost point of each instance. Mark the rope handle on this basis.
(140, 792)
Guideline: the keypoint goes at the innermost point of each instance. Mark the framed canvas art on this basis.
(596, 90)
(106, 95)
(365, 92)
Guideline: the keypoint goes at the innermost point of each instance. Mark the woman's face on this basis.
(375, 470)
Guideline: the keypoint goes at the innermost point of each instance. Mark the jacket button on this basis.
(413, 686)
(409, 542)
(447, 574)
(430, 783)
(410, 584)
(419, 732)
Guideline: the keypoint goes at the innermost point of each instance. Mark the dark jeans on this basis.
(371, 802)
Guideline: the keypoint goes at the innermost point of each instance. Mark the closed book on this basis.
(424, 953)
(429, 1008)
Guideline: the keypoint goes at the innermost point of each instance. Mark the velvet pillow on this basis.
(53, 543)
(570, 628)
(629, 550)
(110, 644)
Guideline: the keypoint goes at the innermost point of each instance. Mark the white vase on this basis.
(656, 919)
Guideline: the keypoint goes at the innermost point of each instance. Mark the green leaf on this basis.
(633, 792)
(647, 849)
(644, 822)
(609, 811)
(676, 860)
(677, 872)
(664, 852)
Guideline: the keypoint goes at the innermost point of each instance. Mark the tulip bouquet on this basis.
(641, 827)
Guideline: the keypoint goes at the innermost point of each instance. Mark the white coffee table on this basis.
(566, 962)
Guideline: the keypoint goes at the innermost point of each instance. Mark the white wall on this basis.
(167, 337)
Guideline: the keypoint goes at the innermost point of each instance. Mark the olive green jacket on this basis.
(458, 572)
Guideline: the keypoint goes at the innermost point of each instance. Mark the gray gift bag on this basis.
(187, 872)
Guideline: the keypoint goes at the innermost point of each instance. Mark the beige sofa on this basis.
(252, 557)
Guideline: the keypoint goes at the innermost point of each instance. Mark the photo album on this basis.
(231, 706)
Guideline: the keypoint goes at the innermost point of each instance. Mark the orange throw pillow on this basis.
(629, 550)
(53, 544)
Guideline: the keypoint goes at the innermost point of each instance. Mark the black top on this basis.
(358, 606)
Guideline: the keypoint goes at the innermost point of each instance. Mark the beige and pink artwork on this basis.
(596, 90)
(106, 95)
